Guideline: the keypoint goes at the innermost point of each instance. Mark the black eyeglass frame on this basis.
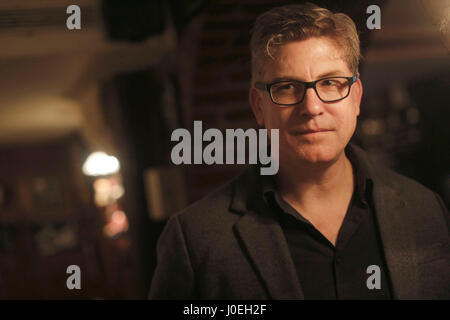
(310, 84)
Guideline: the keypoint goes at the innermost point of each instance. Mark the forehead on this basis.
(307, 60)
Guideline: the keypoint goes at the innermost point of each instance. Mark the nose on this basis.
(311, 105)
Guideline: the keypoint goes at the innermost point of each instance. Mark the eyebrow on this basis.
(336, 73)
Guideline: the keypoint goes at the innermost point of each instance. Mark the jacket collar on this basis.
(266, 245)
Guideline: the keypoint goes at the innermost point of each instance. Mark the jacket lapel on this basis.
(266, 246)
(398, 242)
(396, 232)
(264, 242)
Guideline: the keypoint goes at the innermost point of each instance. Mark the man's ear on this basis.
(256, 103)
(358, 91)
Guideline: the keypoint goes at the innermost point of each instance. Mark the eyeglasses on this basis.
(290, 92)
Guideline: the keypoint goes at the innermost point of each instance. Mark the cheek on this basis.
(275, 117)
(346, 122)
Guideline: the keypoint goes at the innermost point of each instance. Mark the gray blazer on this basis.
(229, 246)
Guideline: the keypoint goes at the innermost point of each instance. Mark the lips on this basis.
(308, 131)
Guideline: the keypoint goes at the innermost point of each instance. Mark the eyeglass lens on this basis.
(290, 92)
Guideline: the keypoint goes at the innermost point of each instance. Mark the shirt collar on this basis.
(362, 180)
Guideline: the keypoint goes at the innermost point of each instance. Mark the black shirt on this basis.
(341, 272)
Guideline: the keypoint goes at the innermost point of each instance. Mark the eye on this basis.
(287, 86)
(284, 87)
(329, 82)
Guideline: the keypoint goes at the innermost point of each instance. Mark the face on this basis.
(312, 131)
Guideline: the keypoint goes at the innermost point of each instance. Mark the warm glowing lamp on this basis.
(100, 164)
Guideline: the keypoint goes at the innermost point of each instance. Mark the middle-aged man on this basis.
(331, 224)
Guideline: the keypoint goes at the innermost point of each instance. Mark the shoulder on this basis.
(405, 185)
(388, 178)
(411, 191)
(395, 186)
(402, 201)
(211, 213)
(206, 227)
(424, 206)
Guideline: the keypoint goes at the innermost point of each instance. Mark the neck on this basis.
(306, 183)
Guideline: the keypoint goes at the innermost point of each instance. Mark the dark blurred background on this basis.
(136, 71)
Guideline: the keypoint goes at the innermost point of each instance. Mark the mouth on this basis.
(309, 131)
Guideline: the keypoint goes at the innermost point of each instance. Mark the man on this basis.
(331, 224)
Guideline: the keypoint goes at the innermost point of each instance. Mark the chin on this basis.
(317, 157)
(316, 153)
